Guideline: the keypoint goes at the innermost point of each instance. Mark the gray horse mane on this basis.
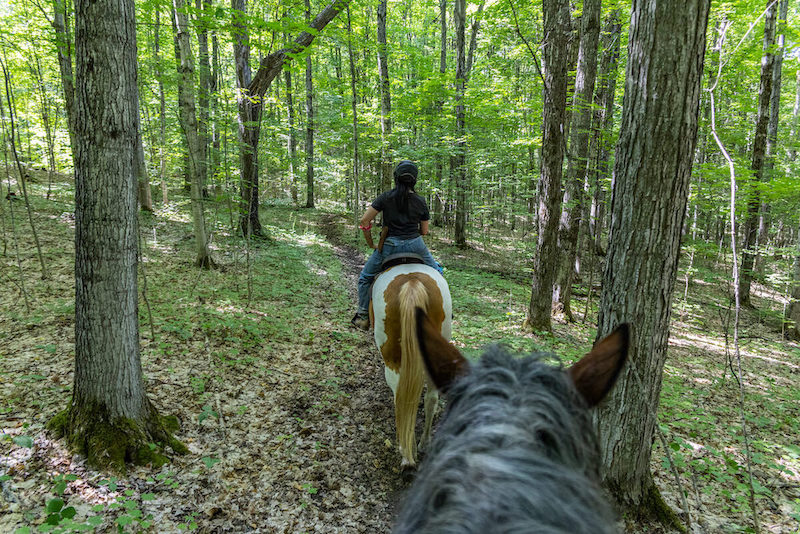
(515, 453)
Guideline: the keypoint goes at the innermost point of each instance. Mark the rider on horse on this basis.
(405, 221)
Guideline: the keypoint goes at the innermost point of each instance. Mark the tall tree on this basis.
(651, 186)
(61, 26)
(386, 100)
(251, 94)
(309, 122)
(555, 61)
(759, 155)
(772, 130)
(354, 102)
(793, 312)
(291, 143)
(578, 153)
(458, 162)
(188, 118)
(601, 143)
(110, 418)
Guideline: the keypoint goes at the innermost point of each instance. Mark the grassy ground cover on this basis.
(283, 405)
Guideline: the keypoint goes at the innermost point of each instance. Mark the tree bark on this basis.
(793, 312)
(555, 60)
(292, 142)
(354, 101)
(651, 185)
(309, 123)
(759, 156)
(458, 162)
(604, 121)
(772, 134)
(386, 100)
(251, 94)
(578, 153)
(438, 205)
(250, 107)
(203, 8)
(61, 26)
(162, 110)
(110, 418)
(188, 118)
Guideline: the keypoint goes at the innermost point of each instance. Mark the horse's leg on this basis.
(431, 401)
(392, 379)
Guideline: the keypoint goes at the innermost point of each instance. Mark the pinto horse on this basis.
(515, 450)
(396, 294)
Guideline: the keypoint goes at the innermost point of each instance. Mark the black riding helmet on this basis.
(406, 173)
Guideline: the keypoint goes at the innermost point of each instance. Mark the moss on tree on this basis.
(114, 443)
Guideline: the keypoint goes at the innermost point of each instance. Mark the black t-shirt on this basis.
(402, 225)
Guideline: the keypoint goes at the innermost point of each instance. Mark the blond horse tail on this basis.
(412, 376)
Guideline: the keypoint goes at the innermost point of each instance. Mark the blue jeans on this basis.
(372, 268)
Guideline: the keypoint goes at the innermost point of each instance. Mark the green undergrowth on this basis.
(270, 298)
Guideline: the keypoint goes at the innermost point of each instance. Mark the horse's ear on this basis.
(442, 360)
(595, 374)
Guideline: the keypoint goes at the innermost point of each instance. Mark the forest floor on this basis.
(284, 406)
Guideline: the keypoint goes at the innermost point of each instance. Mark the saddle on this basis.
(400, 259)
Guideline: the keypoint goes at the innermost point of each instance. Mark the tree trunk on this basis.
(44, 106)
(458, 162)
(652, 170)
(251, 93)
(458, 159)
(309, 123)
(438, 205)
(292, 142)
(64, 46)
(250, 107)
(578, 154)
(351, 55)
(110, 418)
(604, 121)
(555, 59)
(759, 156)
(386, 100)
(203, 8)
(188, 119)
(144, 194)
(772, 135)
(793, 313)
(162, 110)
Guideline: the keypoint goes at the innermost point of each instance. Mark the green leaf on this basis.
(24, 441)
(95, 520)
(210, 462)
(54, 505)
(124, 520)
(148, 496)
(68, 512)
(23, 530)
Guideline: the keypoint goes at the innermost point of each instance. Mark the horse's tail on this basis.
(412, 376)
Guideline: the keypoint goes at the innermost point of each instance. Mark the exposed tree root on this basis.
(115, 443)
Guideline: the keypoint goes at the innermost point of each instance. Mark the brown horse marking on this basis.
(391, 348)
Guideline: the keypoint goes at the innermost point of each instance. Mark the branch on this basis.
(272, 65)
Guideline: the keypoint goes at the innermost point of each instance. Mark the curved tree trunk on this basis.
(110, 418)
(555, 60)
(652, 170)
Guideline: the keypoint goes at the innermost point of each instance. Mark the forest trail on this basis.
(290, 435)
